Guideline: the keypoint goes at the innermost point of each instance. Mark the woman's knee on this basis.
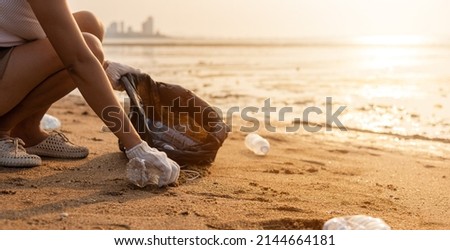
(94, 45)
(88, 22)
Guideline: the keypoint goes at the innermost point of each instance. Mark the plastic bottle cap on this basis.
(265, 149)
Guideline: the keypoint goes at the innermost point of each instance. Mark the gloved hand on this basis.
(154, 158)
(115, 70)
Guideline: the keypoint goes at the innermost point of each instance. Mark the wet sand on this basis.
(303, 181)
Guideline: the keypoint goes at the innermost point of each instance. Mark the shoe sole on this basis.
(20, 163)
(54, 154)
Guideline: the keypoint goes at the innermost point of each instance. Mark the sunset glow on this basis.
(282, 19)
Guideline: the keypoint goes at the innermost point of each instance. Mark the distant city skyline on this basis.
(117, 29)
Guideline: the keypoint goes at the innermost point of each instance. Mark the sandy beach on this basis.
(303, 181)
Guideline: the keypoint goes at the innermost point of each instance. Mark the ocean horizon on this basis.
(395, 90)
(265, 41)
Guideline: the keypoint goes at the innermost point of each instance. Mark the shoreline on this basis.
(305, 180)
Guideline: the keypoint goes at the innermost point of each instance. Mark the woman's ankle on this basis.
(31, 137)
(5, 134)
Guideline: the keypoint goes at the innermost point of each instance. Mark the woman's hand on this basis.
(154, 158)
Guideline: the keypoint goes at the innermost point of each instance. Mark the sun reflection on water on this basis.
(390, 91)
(393, 40)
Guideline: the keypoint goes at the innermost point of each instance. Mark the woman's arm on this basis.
(84, 68)
(90, 78)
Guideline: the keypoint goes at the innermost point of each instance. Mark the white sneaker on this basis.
(57, 145)
(13, 154)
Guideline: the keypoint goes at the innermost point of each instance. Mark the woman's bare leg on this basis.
(24, 117)
(24, 120)
(36, 92)
(57, 86)
(28, 128)
(89, 23)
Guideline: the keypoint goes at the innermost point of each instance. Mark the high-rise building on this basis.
(112, 29)
(147, 27)
(122, 27)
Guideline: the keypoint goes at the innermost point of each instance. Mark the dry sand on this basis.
(304, 181)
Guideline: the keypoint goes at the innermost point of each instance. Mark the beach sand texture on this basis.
(303, 181)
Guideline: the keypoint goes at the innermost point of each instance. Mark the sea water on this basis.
(394, 94)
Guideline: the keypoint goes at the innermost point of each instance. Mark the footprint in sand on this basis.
(340, 151)
(314, 162)
(7, 192)
(289, 209)
(292, 224)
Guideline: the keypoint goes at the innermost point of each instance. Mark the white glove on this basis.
(115, 71)
(154, 158)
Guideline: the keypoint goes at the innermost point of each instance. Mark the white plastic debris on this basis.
(49, 122)
(141, 174)
(356, 222)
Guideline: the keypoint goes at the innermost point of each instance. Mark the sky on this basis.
(278, 18)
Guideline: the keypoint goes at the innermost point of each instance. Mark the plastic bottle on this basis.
(257, 144)
(356, 222)
(49, 122)
(141, 174)
(169, 135)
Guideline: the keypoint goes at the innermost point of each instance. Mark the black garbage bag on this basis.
(174, 120)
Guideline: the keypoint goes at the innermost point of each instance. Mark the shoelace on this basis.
(17, 143)
(63, 136)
